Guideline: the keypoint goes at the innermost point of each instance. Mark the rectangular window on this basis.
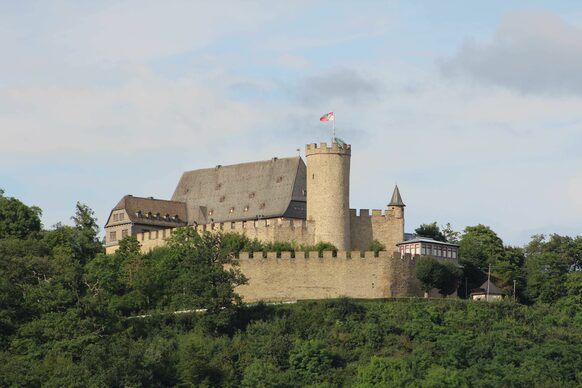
(115, 218)
(454, 253)
(423, 250)
(124, 233)
(112, 236)
(121, 216)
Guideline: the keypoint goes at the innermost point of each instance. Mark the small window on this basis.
(112, 236)
(247, 208)
(157, 216)
(210, 212)
(252, 195)
(304, 192)
(262, 206)
(167, 217)
(149, 215)
(279, 179)
(218, 186)
(222, 198)
(115, 217)
(232, 209)
(121, 216)
(124, 233)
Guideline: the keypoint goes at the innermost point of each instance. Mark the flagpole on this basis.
(333, 138)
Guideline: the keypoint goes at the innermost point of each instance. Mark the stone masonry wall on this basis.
(347, 275)
(383, 227)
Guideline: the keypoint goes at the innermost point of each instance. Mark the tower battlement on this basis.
(324, 148)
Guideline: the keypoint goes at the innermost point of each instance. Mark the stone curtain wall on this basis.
(347, 275)
(351, 274)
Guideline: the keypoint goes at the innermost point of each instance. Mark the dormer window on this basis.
(157, 216)
(139, 213)
(149, 215)
(167, 217)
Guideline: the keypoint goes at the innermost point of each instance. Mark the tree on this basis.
(451, 236)
(202, 274)
(17, 219)
(427, 270)
(479, 247)
(430, 231)
(433, 274)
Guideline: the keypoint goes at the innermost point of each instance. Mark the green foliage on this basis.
(16, 219)
(385, 372)
(376, 246)
(72, 316)
(430, 231)
(451, 236)
(479, 247)
(433, 273)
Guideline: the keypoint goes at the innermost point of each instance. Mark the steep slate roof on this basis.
(133, 205)
(493, 289)
(396, 198)
(264, 189)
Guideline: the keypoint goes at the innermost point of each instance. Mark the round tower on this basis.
(328, 192)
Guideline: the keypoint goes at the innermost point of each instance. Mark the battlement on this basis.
(376, 213)
(330, 255)
(227, 227)
(324, 148)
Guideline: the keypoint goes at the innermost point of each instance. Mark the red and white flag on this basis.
(327, 117)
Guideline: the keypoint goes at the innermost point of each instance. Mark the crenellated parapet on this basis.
(324, 148)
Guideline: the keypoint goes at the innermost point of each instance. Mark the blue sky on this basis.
(473, 108)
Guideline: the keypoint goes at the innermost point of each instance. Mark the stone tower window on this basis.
(218, 186)
(252, 195)
(262, 206)
(210, 212)
(222, 198)
(279, 179)
(232, 210)
(247, 208)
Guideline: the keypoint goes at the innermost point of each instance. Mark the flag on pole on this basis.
(327, 117)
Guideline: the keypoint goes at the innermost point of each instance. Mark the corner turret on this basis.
(395, 210)
(396, 198)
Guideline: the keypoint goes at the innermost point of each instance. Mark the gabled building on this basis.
(488, 292)
(133, 215)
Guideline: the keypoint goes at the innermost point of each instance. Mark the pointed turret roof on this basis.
(396, 198)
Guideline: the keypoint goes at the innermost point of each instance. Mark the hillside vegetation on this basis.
(72, 316)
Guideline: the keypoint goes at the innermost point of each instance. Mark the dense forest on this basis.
(72, 316)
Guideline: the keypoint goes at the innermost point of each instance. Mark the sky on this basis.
(473, 108)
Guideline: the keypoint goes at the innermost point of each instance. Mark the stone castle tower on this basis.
(328, 193)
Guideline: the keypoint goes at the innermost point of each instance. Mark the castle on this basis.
(285, 199)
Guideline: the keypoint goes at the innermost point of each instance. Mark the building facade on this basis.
(282, 199)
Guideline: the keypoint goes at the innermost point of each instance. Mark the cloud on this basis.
(531, 52)
(146, 111)
(345, 85)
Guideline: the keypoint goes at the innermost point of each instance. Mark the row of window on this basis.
(429, 250)
(231, 210)
(113, 235)
(118, 217)
(157, 216)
